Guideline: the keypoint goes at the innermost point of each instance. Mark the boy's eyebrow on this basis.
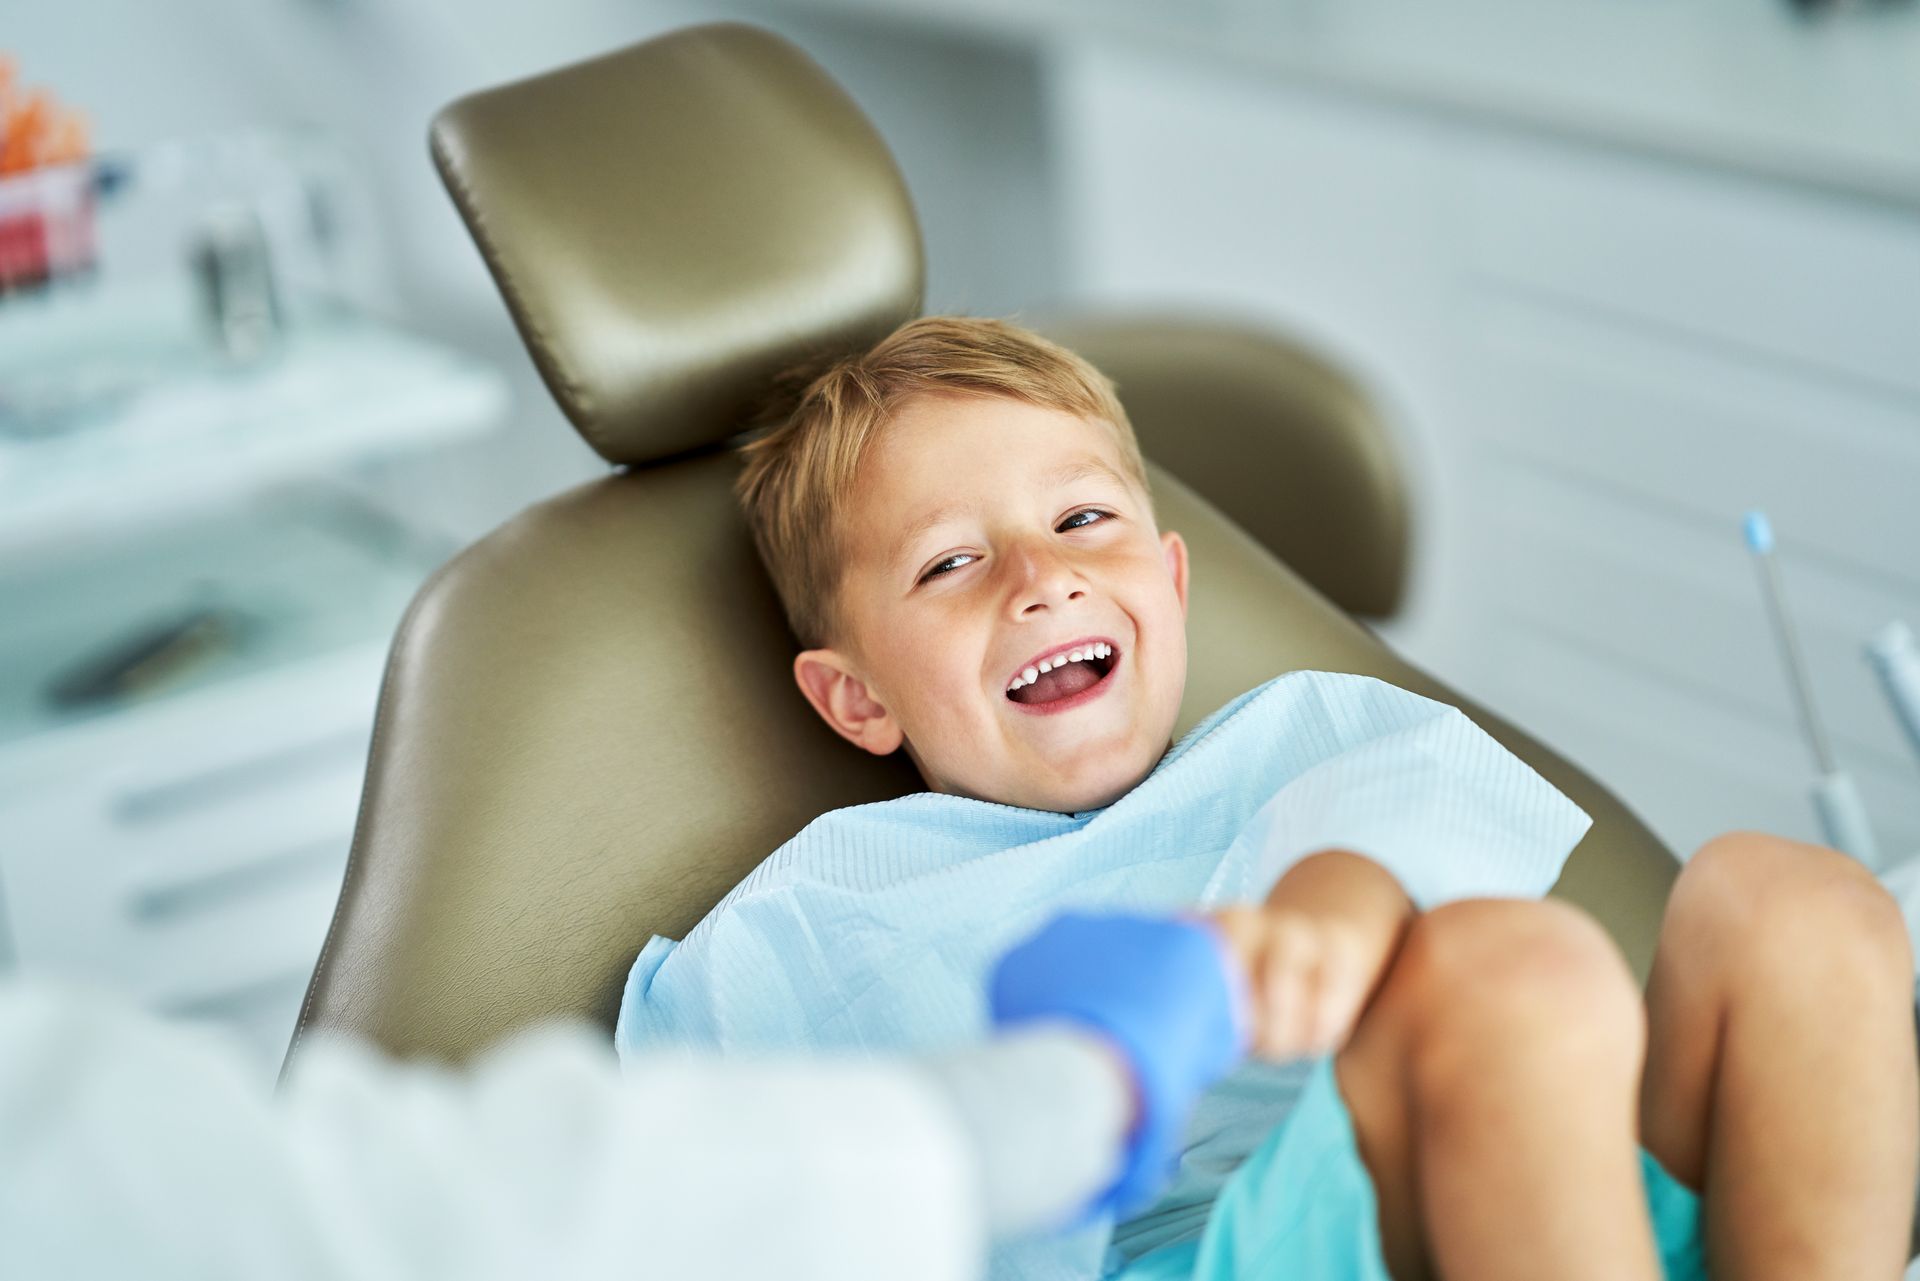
(1065, 474)
(1085, 469)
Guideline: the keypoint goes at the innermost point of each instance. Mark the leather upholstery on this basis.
(588, 730)
(673, 223)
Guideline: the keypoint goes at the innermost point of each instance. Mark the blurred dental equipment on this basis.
(1897, 660)
(46, 186)
(1895, 657)
(1843, 818)
(232, 268)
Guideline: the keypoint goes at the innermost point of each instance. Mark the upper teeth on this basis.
(1029, 675)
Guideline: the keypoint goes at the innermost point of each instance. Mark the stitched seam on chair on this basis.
(354, 859)
(544, 351)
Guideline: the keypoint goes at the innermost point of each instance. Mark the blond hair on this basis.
(801, 471)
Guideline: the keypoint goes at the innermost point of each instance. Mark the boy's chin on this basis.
(1107, 772)
(1069, 796)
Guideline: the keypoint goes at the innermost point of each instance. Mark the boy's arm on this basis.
(1316, 950)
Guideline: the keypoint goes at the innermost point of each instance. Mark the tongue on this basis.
(1061, 682)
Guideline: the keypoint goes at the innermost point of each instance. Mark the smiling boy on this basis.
(1025, 677)
(959, 525)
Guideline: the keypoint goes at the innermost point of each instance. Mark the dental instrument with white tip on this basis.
(1896, 658)
(1843, 818)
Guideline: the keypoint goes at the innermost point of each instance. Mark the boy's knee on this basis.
(1513, 980)
(1759, 898)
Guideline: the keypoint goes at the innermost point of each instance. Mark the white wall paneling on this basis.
(1599, 360)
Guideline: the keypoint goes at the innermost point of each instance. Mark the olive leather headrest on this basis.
(673, 224)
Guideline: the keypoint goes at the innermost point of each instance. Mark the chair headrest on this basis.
(675, 223)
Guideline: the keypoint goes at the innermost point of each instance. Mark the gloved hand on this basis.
(1164, 991)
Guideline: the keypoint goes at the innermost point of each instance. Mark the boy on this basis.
(958, 524)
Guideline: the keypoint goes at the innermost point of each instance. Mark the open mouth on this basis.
(1063, 674)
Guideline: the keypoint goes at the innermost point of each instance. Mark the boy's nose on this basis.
(1047, 581)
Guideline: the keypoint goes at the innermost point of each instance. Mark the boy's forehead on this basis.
(939, 442)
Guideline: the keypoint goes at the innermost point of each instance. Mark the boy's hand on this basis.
(1308, 976)
(1314, 953)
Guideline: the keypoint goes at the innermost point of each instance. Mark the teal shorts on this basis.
(1302, 1207)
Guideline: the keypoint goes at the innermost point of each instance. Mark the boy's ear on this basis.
(1176, 550)
(843, 701)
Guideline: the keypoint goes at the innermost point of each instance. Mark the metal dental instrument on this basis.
(1835, 798)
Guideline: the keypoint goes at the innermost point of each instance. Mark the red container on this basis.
(46, 226)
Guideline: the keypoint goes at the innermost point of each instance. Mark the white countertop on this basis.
(166, 427)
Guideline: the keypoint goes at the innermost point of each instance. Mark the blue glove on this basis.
(1163, 991)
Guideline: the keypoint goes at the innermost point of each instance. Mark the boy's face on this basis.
(988, 535)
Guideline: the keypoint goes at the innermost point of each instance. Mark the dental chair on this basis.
(587, 732)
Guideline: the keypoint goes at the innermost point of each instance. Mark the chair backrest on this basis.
(588, 731)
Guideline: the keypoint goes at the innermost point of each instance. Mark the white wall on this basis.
(1604, 359)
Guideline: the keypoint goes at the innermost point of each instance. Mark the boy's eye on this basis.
(947, 566)
(1093, 517)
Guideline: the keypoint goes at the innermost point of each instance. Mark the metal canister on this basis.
(233, 270)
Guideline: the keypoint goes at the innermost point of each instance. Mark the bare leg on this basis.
(1492, 1083)
(1781, 1066)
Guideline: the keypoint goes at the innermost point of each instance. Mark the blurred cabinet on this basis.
(180, 836)
(196, 594)
(191, 860)
(196, 587)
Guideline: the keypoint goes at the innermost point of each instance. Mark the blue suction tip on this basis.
(1759, 532)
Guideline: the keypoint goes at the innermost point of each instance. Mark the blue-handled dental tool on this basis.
(1843, 818)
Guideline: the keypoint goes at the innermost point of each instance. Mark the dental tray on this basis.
(125, 623)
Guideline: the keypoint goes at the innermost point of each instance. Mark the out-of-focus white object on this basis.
(130, 1147)
(1902, 881)
(1843, 817)
(1896, 658)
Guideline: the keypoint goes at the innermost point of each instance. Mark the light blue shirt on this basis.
(874, 928)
